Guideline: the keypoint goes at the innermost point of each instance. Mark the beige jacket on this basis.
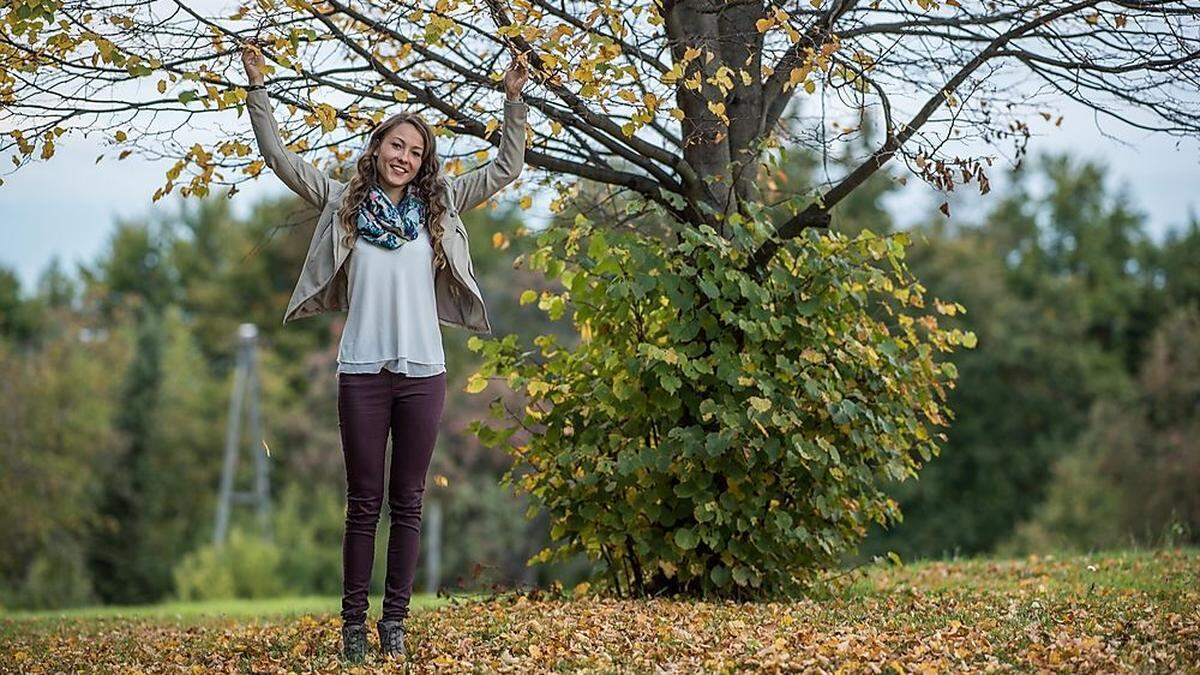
(321, 286)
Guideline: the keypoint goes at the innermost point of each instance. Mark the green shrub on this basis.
(56, 578)
(246, 566)
(204, 575)
(308, 530)
(713, 433)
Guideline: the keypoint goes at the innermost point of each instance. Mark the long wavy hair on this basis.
(427, 182)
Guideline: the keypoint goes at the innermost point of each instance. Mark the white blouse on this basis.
(392, 318)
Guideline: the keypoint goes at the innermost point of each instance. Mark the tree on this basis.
(57, 404)
(1133, 472)
(1057, 284)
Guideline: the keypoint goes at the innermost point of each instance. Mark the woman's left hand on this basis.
(515, 77)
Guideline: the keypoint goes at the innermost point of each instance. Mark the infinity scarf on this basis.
(389, 225)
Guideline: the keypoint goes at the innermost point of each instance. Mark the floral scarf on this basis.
(389, 225)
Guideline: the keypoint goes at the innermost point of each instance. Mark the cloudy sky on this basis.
(70, 205)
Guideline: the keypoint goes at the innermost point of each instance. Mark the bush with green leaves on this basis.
(245, 566)
(716, 432)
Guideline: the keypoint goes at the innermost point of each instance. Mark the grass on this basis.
(190, 612)
(1112, 612)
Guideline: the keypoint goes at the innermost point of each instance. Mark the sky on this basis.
(70, 205)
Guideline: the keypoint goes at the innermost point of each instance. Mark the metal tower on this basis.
(245, 389)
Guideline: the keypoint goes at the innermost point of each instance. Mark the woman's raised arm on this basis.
(473, 187)
(302, 177)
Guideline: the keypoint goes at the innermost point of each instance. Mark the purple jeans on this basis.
(370, 406)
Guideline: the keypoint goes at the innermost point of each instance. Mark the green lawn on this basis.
(266, 608)
(1111, 612)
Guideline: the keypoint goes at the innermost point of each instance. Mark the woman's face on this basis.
(400, 155)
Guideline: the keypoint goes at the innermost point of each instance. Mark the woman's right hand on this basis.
(252, 60)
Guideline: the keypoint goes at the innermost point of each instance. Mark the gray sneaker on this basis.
(354, 642)
(391, 638)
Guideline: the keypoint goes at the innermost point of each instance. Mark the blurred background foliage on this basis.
(1076, 416)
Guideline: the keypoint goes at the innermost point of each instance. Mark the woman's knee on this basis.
(407, 501)
(363, 510)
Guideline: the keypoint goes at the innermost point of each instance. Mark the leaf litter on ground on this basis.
(1132, 611)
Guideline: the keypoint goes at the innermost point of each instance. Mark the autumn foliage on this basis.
(1105, 613)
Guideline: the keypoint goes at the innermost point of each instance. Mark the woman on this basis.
(390, 248)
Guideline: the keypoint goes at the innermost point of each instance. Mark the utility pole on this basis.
(245, 390)
(433, 548)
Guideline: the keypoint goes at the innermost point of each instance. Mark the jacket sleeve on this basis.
(302, 177)
(472, 188)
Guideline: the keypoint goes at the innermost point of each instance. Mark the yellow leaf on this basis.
(492, 125)
(327, 115)
(760, 404)
(675, 73)
(763, 25)
(162, 86)
(475, 384)
(120, 136)
(526, 202)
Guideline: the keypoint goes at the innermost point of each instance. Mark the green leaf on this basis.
(783, 520)
(715, 444)
(719, 575)
(741, 575)
(670, 382)
(686, 539)
(597, 246)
